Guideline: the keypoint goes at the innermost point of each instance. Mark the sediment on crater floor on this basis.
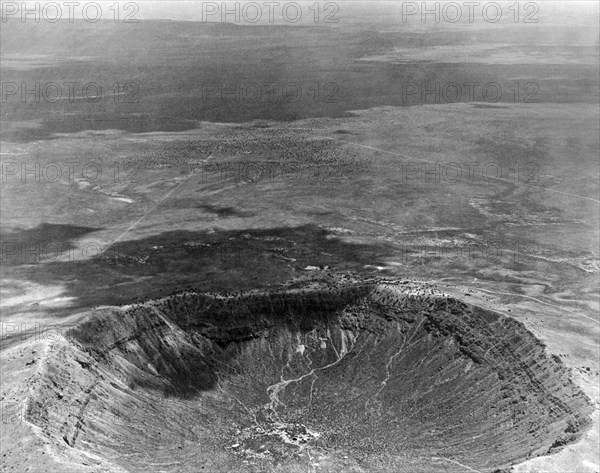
(366, 377)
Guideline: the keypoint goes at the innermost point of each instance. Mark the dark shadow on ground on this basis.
(40, 244)
(223, 211)
(171, 262)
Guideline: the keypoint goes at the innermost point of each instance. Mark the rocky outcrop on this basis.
(371, 377)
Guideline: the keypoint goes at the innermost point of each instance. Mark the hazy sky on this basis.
(265, 11)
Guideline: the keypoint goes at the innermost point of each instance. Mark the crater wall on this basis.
(365, 377)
